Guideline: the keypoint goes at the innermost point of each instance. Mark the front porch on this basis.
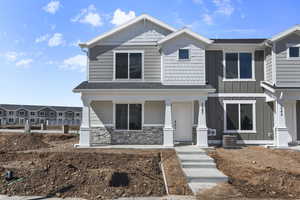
(286, 103)
(144, 118)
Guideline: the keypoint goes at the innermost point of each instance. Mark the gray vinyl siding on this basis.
(214, 74)
(298, 119)
(287, 69)
(154, 112)
(184, 72)
(101, 113)
(268, 60)
(264, 118)
(141, 32)
(101, 62)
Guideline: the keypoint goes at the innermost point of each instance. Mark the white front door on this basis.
(182, 113)
(290, 112)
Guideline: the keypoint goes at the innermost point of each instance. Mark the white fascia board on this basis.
(188, 32)
(144, 90)
(121, 27)
(285, 33)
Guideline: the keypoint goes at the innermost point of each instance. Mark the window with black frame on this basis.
(239, 117)
(238, 65)
(294, 52)
(128, 116)
(128, 65)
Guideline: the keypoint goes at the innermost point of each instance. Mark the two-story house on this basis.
(148, 83)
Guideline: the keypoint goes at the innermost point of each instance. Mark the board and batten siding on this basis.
(298, 119)
(183, 72)
(141, 32)
(215, 71)
(268, 69)
(101, 62)
(264, 119)
(287, 69)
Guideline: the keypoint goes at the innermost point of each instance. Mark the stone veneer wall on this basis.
(107, 135)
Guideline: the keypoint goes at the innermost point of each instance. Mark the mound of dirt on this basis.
(257, 172)
(85, 175)
(58, 137)
(21, 142)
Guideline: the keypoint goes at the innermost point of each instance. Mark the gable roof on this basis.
(188, 32)
(121, 27)
(285, 33)
(239, 41)
(14, 107)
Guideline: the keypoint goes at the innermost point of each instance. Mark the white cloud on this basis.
(224, 7)
(77, 62)
(42, 38)
(75, 43)
(24, 62)
(56, 40)
(52, 7)
(120, 17)
(207, 19)
(11, 56)
(88, 16)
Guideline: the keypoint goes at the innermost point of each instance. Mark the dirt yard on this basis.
(48, 165)
(256, 172)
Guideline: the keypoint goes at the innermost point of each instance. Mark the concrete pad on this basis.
(197, 187)
(198, 164)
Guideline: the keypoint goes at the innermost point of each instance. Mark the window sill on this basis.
(293, 58)
(240, 131)
(239, 80)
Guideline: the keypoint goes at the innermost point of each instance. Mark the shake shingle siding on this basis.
(287, 69)
(184, 72)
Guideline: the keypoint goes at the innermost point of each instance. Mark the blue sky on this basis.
(41, 62)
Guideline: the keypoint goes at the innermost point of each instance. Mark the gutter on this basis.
(146, 90)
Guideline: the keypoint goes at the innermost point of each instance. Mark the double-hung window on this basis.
(239, 116)
(239, 66)
(293, 51)
(128, 65)
(183, 54)
(128, 116)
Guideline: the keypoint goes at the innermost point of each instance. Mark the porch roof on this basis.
(86, 86)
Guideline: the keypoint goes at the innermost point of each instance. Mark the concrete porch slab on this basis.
(123, 147)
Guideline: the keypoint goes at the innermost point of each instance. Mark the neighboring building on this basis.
(148, 83)
(53, 115)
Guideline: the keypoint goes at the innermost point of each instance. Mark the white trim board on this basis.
(258, 142)
(237, 95)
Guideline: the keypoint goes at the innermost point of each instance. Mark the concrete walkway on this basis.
(199, 168)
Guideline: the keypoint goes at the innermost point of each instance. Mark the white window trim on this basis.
(288, 51)
(114, 65)
(239, 102)
(189, 52)
(239, 79)
(128, 103)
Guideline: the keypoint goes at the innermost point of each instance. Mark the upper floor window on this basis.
(128, 65)
(11, 112)
(183, 54)
(1, 112)
(77, 114)
(22, 113)
(239, 66)
(32, 113)
(294, 51)
(60, 114)
(42, 113)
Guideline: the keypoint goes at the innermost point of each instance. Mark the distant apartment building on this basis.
(52, 115)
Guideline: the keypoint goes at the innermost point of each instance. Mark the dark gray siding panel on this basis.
(214, 74)
(264, 118)
(298, 119)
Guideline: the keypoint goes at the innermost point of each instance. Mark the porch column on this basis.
(84, 139)
(202, 130)
(168, 128)
(281, 133)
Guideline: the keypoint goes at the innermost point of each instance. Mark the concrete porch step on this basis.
(194, 157)
(204, 175)
(209, 164)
